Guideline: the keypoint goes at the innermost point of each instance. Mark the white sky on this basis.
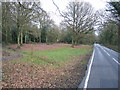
(52, 10)
(48, 6)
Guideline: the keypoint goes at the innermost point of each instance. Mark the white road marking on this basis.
(107, 53)
(116, 61)
(89, 70)
(97, 49)
(112, 58)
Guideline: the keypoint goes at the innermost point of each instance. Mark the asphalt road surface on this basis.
(102, 70)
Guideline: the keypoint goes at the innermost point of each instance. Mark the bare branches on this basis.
(57, 8)
(79, 17)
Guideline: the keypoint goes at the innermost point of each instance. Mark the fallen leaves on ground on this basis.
(27, 75)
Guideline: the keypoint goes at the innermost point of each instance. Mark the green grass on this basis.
(57, 55)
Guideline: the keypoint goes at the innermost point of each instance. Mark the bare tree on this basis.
(80, 18)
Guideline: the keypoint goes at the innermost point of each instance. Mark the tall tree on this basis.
(109, 33)
(0, 23)
(17, 16)
(80, 18)
(114, 8)
(6, 21)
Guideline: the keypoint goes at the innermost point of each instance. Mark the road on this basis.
(102, 69)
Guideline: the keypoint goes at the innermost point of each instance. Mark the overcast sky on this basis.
(52, 10)
(48, 6)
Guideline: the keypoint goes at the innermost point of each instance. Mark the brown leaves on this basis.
(27, 75)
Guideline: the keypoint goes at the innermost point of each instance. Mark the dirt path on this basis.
(9, 54)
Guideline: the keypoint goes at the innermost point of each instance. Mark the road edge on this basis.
(82, 84)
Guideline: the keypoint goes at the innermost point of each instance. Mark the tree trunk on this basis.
(25, 39)
(34, 40)
(21, 38)
(40, 33)
(72, 41)
(46, 40)
(40, 39)
(10, 35)
(6, 37)
(18, 39)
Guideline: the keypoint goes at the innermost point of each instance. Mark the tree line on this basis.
(27, 22)
(110, 30)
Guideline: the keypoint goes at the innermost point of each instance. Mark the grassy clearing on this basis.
(36, 71)
(53, 56)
